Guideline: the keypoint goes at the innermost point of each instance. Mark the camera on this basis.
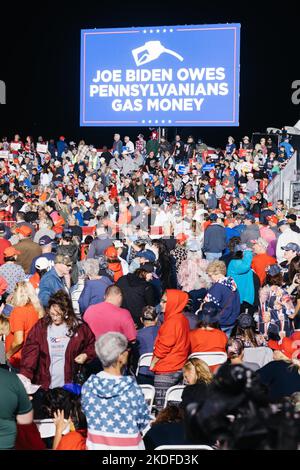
(237, 414)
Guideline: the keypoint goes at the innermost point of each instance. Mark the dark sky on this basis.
(40, 62)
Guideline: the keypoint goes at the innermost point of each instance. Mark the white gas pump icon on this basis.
(150, 51)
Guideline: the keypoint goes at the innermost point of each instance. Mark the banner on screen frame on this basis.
(166, 76)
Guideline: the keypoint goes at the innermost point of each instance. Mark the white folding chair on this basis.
(46, 428)
(211, 358)
(174, 394)
(144, 361)
(261, 355)
(149, 394)
(184, 447)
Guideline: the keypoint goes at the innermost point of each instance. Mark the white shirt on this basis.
(288, 236)
(45, 180)
(130, 146)
(160, 219)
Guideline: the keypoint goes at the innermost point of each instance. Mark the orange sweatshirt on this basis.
(172, 344)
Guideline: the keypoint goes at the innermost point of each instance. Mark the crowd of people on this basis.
(167, 248)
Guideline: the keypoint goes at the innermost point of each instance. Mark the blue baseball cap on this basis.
(273, 270)
(147, 254)
(45, 240)
(291, 247)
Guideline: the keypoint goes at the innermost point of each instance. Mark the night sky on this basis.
(40, 63)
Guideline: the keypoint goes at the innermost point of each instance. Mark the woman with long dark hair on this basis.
(166, 269)
(56, 345)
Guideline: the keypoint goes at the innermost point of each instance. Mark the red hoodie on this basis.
(172, 344)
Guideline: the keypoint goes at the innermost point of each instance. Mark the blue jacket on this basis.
(61, 147)
(240, 229)
(288, 148)
(49, 285)
(93, 293)
(240, 270)
(145, 344)
(230, 233)
(79, 217)
(214, 239)
(225, 295)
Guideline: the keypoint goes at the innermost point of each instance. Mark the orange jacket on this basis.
(117, 270)
(172, 344)
(35, 280)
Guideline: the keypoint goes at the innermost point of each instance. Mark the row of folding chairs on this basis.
(261, 356)
(211, 359)
(173, 395)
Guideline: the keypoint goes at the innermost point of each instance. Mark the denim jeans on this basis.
(212, 256)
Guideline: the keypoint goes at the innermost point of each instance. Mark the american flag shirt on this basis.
(116, 412)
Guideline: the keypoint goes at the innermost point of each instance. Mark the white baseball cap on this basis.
(42, 263)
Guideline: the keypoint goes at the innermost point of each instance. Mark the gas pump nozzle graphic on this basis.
(150, 51)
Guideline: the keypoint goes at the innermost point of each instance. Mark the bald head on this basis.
(113, 295)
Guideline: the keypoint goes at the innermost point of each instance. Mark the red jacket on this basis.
(172, 344)
(35, 360)
(225, 204)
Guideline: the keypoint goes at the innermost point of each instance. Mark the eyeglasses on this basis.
(55, 314)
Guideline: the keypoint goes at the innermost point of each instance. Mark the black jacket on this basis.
(137, 293)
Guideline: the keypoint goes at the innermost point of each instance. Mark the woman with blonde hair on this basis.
(26, 312)
(198, 377)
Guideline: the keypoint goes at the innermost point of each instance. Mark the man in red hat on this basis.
(61, 146)
(10, 271)
(114, 264)
(27, 248)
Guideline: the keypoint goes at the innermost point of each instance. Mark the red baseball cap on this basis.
(111, 252)
(24, 230)
(288, 346)
(181, 238)
(11, 251)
